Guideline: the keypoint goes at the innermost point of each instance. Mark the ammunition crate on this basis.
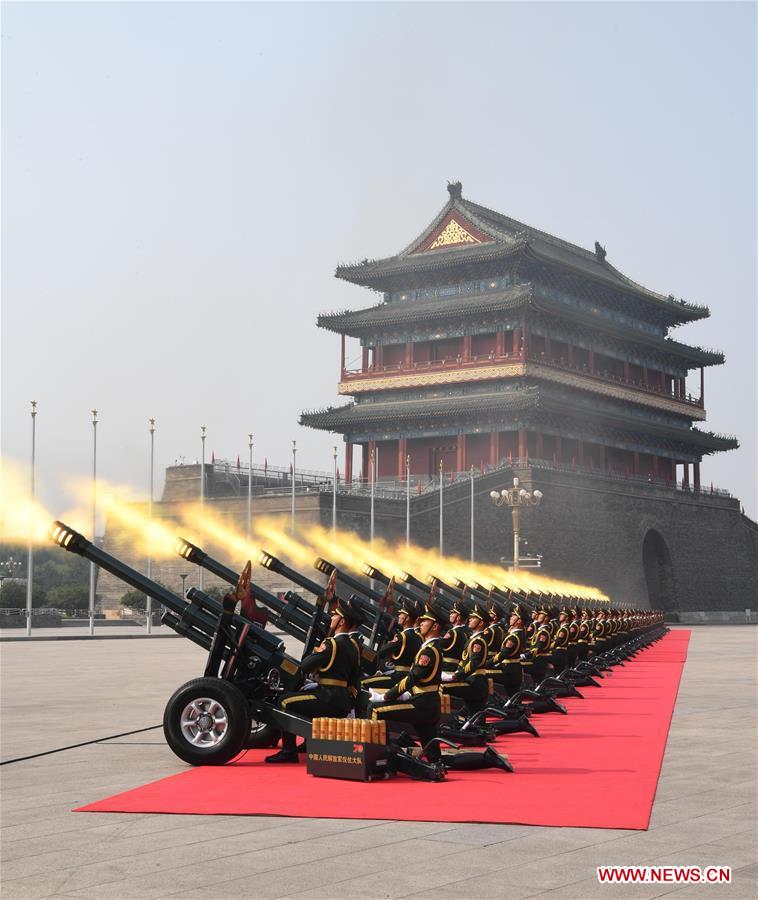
(355, 761)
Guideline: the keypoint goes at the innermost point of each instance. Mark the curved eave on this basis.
(351, 415)
(356, 323)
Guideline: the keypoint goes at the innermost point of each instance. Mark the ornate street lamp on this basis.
(516, 498)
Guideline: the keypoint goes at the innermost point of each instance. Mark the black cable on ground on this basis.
(110, 737)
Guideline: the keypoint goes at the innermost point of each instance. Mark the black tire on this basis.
(262, 736)
(206, 722)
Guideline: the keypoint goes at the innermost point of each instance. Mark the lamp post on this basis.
(149, 599)
(249, 486)
(371, 462)
(516, 498)
(334, 494)
(30, 550)
(92, 569)
(441, 480)
(408, 500)
(202, 495)
(184, 585)
(472, 512)
(294, 452)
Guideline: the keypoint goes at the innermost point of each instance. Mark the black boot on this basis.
(284, 756)
(497, 760)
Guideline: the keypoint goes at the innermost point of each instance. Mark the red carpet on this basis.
(596, 767)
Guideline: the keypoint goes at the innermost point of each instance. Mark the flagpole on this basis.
(92, 569)
(202, 499)
(472, 513)
(441, 480)
(371, 467)
(149, 599)
(294, 452)
(334, 494)
(250, 486)
(30, 556)
(408, 500)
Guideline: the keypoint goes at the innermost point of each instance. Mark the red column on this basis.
(591, 360)
(636, 468)
(522, 443)
(466, 347)
(379, 357)
(558, 448)
(515, 341)
(364, 461)
(644, 377)
(348, 462)
(685, 475)
(580, 452)
(408, 355)
(494, 456)
(702, 385)
(364, 360)
(401, 454)
(696, 472)
(540, 446)
(547, 347)
(499, 342)
(460, 456)
(601, 456)
(342, 356)
(655, 467)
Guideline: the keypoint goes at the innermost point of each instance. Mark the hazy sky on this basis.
(180, 180)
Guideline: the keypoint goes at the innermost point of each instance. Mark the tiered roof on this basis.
(466, 235)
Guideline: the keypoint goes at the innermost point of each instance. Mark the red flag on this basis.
(238, 461)
(419, 487)
(213, 456)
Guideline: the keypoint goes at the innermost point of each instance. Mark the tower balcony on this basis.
(519, 365)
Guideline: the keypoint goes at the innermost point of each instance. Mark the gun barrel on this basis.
(200, 615)
(293, 615)
(324, 566)
(276, 565)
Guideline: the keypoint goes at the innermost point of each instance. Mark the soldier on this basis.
(334, 667)
(583, 635)
(508, 660)
(457, 636)
(560, 643)
(399, 653)
(573, 649)
(469, 681)
(415, 699)
(540, 644)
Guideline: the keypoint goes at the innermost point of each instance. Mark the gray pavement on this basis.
(56, 694)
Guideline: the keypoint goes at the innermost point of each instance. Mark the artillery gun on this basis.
(209, 720)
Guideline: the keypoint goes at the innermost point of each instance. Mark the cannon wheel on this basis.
(206, 722)
(262, 735)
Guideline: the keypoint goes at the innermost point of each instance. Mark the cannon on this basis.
(209, 720)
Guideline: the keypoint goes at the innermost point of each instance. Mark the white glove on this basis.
(351, 714)
(375, 696)
(448, 676)
(309, 685)
(406, 695)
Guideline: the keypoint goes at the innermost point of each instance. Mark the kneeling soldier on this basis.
(469, 681)
(336, 664)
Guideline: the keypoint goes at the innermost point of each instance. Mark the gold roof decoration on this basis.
(453, 233)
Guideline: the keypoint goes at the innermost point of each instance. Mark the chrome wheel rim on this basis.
(204, 722)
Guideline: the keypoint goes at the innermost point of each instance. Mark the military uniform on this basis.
(401, 652)
(469, 681)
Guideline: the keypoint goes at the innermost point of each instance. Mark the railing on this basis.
(475, 362)
(313, 481)
(427, 484)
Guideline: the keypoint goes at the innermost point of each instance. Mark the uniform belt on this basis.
(427, 689)
(402, 668)
(493, 671)
(332, 682)
(450, 659)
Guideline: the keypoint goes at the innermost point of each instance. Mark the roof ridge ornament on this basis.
(600, 252)
(455, 189)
